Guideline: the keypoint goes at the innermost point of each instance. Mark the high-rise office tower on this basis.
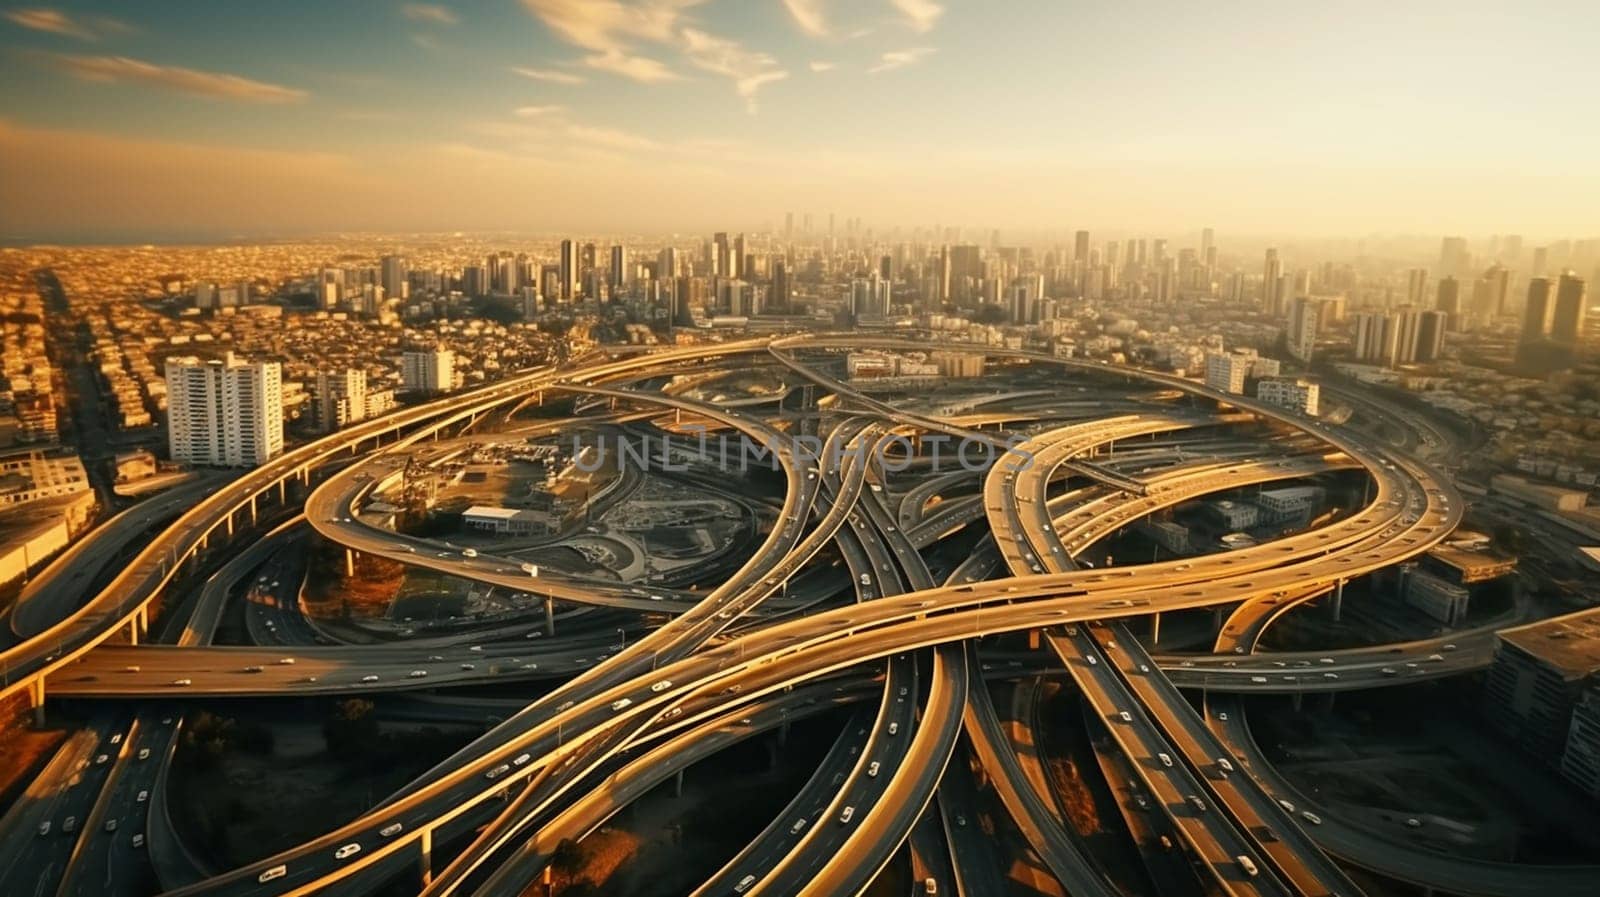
(782, 291)
(1301, 334)
(618, 275)
(740, 269)
(1566, 320)
(428, 371)
(1536, 311)
(1448, 300)
(1080, 247)
(941, 275)
(788, 225)
(1417, 287)
(667, 267)
(341, 398)
(886, 268)
(1375, 338)
(966, 270)
(1208, 242)
(1271, 288)
(1453, 256)
(393, 276)
(224, 412)
(1407, 326)
(475, 281)
(722, 255)
(1489, 294)
(1431, 326)
(568, 265)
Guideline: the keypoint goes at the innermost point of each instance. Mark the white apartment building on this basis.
(1296, 395)
(341, 398)
(1226, 372)
(224, 412)
(429, 371)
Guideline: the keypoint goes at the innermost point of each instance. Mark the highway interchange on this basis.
(847, 601)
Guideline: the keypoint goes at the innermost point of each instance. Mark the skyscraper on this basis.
(618, 275)
(1271, 284)
(224, 412)
(782, 291)
(1536, 311)
(392, 275)
(1301, 334)
(722, 263)
(1566, 321)
(1417, 287)
(1453, 256)
(1375, 338)
(667, 264)
(568, 264)
(1080, 247)
(428, 371)
(1406, 324)
(341, 398)
(1448, 300)
(1490, 292)
(1430, 336)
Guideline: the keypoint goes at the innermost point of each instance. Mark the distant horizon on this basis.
(165, 122)
(974, 235)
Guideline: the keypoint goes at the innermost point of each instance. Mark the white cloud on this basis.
(822, 65)
(540, 111)
(54, 21)
(605, 26)
(809, 16)
(551, 75)
(638, 68)
(121, 69)
(430, 13)
(749, 70)
(899, 59)
(610, 138)
(920, 15)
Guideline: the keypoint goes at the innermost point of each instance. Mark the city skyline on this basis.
(203, 122)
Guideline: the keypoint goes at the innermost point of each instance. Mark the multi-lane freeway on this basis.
(782, 637)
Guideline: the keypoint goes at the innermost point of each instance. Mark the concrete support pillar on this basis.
(252, 510)
(1337, 604)
(36, 699)
(677, 784)
(427, 857)
(549, 616)
(230, 524)
(283, 492)
(783, 734)
(349, 563)
(1298, 698)
(133, 631)
(1155, 630)
(1033, 640)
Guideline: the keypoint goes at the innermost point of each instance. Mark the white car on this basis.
(347, 851)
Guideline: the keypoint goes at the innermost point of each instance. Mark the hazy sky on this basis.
(197, 117)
